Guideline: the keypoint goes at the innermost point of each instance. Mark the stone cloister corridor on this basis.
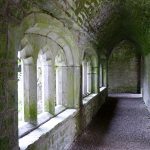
(70, 71)
(121, 124)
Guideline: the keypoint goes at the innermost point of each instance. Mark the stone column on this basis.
(104, 75)
(49, 87)
(95, 80)
(101, 75)
(89, 77)
(30, 90)
(59, 84)
(68, 86)
(84, 78)
(77, 86)
(64, 86)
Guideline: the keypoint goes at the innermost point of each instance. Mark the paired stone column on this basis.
(69, 84)
(95, 80)
(59, 85)
(30, 90)
(77, 86)
(89, 77)
(101, 75)
(104, 75)
(64, 85)
(84, 77)
(49, 87)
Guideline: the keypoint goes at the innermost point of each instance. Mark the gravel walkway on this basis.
(121, 124)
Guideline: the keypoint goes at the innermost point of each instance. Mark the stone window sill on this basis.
(59, 109)
(25, 128)
(88, 98)
(102, 88)
(85, 95)
(47, 127)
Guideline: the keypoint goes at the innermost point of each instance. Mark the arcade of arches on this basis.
(59, 61)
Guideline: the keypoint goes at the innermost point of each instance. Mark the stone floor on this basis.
(123, 123)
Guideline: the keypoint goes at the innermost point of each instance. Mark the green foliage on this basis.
(33, 110)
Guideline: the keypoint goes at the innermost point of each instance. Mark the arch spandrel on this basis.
(44, 24)
(26, 52)
(60, 59)
(90, 54)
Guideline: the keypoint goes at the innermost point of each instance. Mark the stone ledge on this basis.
(125, 95)
(26, 127)
(46, 128)
(102, 88)
(87, 99)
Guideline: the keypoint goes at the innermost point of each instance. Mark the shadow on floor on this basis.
(95, 132)
(102, 120)
(121, 124)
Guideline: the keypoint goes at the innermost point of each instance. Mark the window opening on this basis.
(20, 91)
(89, 77)
(101, 75)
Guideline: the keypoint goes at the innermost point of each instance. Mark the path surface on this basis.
(121, 124)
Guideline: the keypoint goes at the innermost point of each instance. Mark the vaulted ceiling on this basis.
(106, 22)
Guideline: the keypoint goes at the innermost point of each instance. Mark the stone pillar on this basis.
(77, 86)
(65, 85)
(105, 75)
(68, 86)
(30, 90)
(84, 78)
(59, 84)
(95, 80)
(89, 77)
(49, 87)
(101, 75)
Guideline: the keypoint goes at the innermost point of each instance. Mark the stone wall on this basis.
(61, 131)
(8, 89)
(70, 32)
(91, 25)
(124, 69)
